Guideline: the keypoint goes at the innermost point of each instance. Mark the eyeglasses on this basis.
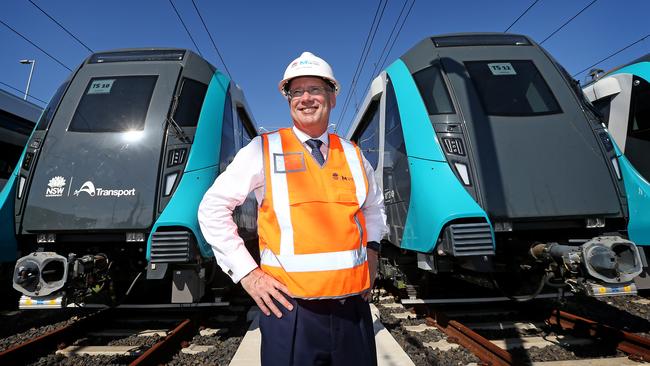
(312, 90)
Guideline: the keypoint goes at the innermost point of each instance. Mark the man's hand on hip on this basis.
(373, 262)
(263, 289)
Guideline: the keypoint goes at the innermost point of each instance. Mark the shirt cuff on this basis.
(240, 263)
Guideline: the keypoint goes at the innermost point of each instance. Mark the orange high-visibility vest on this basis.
(311, 227)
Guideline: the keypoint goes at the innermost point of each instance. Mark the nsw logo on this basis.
(55, 187)
(87, 187)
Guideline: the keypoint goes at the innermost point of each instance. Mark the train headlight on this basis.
(21, 186)
(170, 179)
(463, 172)
(617, 168)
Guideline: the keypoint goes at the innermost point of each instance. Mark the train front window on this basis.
(114, 104)
(603, 106)
(512, 88)
(433, 90)
(639, 125)
(190, 102)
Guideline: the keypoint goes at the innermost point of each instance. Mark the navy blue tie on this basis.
(315, 150)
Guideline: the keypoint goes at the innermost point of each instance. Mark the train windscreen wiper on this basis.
(178, 130)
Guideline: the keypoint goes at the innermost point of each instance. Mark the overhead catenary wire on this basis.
(384, 56)
(390, 49)
(390, 36)
(612, 55)
(372, 25)
(364, 54)
(61, 26)
(184, 26)
(22, 92)
(378, 65)
(35, 45)
(211, 40)
(521, 16)
(568, 21)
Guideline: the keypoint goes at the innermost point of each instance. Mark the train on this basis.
(17, 120)
(622, 96)
(495, 168)
(103, 203)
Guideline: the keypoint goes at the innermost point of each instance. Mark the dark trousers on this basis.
(319, 332)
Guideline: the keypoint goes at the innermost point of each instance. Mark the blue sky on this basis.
(257, 39)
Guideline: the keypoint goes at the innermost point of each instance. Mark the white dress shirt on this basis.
(246, 174)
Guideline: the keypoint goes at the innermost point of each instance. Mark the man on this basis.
(320, 218)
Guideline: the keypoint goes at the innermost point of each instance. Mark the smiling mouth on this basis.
(308, 109)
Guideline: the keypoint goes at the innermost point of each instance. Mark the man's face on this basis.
(310, 113)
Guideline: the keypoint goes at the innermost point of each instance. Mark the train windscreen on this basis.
(114, 104)
(512, 88)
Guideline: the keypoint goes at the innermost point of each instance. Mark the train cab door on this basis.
(98, 166)
(637, 146)
(531, 145)
(623, 100)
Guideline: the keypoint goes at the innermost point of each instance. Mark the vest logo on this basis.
(341, 177)
(336, 176)
(55, 187)
(89, 188)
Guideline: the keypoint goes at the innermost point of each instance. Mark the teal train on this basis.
(622, 96)
(494, 165)
(102, 206)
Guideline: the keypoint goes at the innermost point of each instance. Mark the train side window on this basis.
(394, 147)
(512, 88)
(190, 102)
(639, 123)
(114, 104)
(433, 90)
(227, 150)
(368, 139)
(48, 113)
(244, 123)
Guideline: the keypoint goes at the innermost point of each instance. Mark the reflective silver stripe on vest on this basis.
(356, 167)
(315, 262)
(280, 193)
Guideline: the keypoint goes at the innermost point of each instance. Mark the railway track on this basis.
(511, 334)
(501, 334)
(113, 336)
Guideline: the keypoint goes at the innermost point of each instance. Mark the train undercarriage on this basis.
(521, 268)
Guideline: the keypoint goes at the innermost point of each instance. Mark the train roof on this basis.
(644, 58)
(429, 49)
(19, 107)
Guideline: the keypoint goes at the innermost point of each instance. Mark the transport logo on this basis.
(89, 188)
(55, 187)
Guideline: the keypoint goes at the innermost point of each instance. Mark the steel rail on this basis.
(636, 346)
(21, 353)
(480, 346)
(160, 352)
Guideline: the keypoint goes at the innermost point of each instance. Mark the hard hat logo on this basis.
(308, 65)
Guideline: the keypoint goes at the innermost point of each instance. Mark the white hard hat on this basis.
(308, 65)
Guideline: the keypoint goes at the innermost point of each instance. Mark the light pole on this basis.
(31, 71)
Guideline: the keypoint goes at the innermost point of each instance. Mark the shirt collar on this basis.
(304, 137)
